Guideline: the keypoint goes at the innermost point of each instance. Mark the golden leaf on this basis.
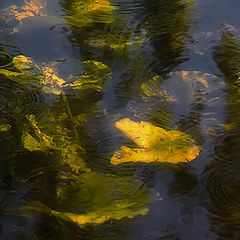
(155, 144)
(144, 134)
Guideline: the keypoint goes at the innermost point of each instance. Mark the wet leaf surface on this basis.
(156, 144)
(96, 192)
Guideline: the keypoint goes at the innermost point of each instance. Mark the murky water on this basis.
(69, 70)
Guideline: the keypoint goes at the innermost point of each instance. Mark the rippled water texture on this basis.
(76, 75)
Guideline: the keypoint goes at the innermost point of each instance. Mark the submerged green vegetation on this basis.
(227, 56)
(224, 171)
(94, 198)
(65, 142)
(83, 13)
(167, 29)
(90, 197)
(45, 77)
(59, 136)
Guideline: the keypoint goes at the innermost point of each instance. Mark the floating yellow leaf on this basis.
(155, 144)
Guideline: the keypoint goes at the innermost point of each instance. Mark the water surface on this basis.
(113, 52)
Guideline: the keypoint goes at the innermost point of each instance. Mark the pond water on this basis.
(72, 75)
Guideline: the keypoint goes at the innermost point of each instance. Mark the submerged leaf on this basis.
(46, 76)
(195, 83)
(152, 89)
(41, 141)
(116, 42)
(35, 139)
(156, 144)
(96, 198)
(95, 74)
(85, 12)
(28, 72)
(9, 74)
(199, 88)
(32, 144)
(22, 63)
(25, 71)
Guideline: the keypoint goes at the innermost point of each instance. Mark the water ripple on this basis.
(223, 186)
(16, 101)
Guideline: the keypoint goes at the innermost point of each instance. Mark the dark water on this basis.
(115, 50)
